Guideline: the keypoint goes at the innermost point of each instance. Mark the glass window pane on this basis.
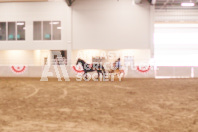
(46, 30)
(37, 30)
(56, 30)
(20, 30)
(2, 30)
(11, 30)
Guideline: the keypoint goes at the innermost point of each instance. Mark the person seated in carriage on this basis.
(116, 64)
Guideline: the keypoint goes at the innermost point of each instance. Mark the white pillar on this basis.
(69, 37)
(152, 22)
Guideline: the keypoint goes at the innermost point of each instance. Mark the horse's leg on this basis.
(85, 74)
(98, 74)
(101, 73)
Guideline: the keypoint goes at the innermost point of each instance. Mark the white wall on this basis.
(35, 11)
(88, 24)
(101, 25)
(111, 24)
(23, 57)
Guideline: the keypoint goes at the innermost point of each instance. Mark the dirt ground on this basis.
(132, 105)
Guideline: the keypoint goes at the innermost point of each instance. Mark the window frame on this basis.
(42, 27)
(16, 31)
(23, 29)
(5, 30)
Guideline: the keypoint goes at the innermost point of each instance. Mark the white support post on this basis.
(69, 36)
(152, 23)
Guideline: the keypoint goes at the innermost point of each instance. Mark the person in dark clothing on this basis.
(117, 63)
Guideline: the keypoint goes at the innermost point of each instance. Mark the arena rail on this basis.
(137, 72)
(36, 71)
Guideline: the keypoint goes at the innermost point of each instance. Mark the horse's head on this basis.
(79, 61)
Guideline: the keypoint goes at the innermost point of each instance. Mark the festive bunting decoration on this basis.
(143, 69)
(18, 69)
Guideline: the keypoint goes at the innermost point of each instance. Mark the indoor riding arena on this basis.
(98, 66)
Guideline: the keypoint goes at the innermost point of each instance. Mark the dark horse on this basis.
(90, 68)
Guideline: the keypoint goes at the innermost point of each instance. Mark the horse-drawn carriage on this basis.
(99, 68)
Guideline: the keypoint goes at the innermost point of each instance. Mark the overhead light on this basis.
(187, 4)
(54, 23)
(59, 28)
(20, 23)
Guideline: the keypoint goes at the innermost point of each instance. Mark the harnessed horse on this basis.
(90, 68)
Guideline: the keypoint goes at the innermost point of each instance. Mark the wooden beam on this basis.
(69, 3)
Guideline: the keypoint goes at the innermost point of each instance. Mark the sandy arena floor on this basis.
(133, 105)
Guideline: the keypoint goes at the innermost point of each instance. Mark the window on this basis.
(20, 30)
(12, 31)
(56, 30)
(47, 30)
(59, 57)
(37, 30)
(98, 59)
(2, 31)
